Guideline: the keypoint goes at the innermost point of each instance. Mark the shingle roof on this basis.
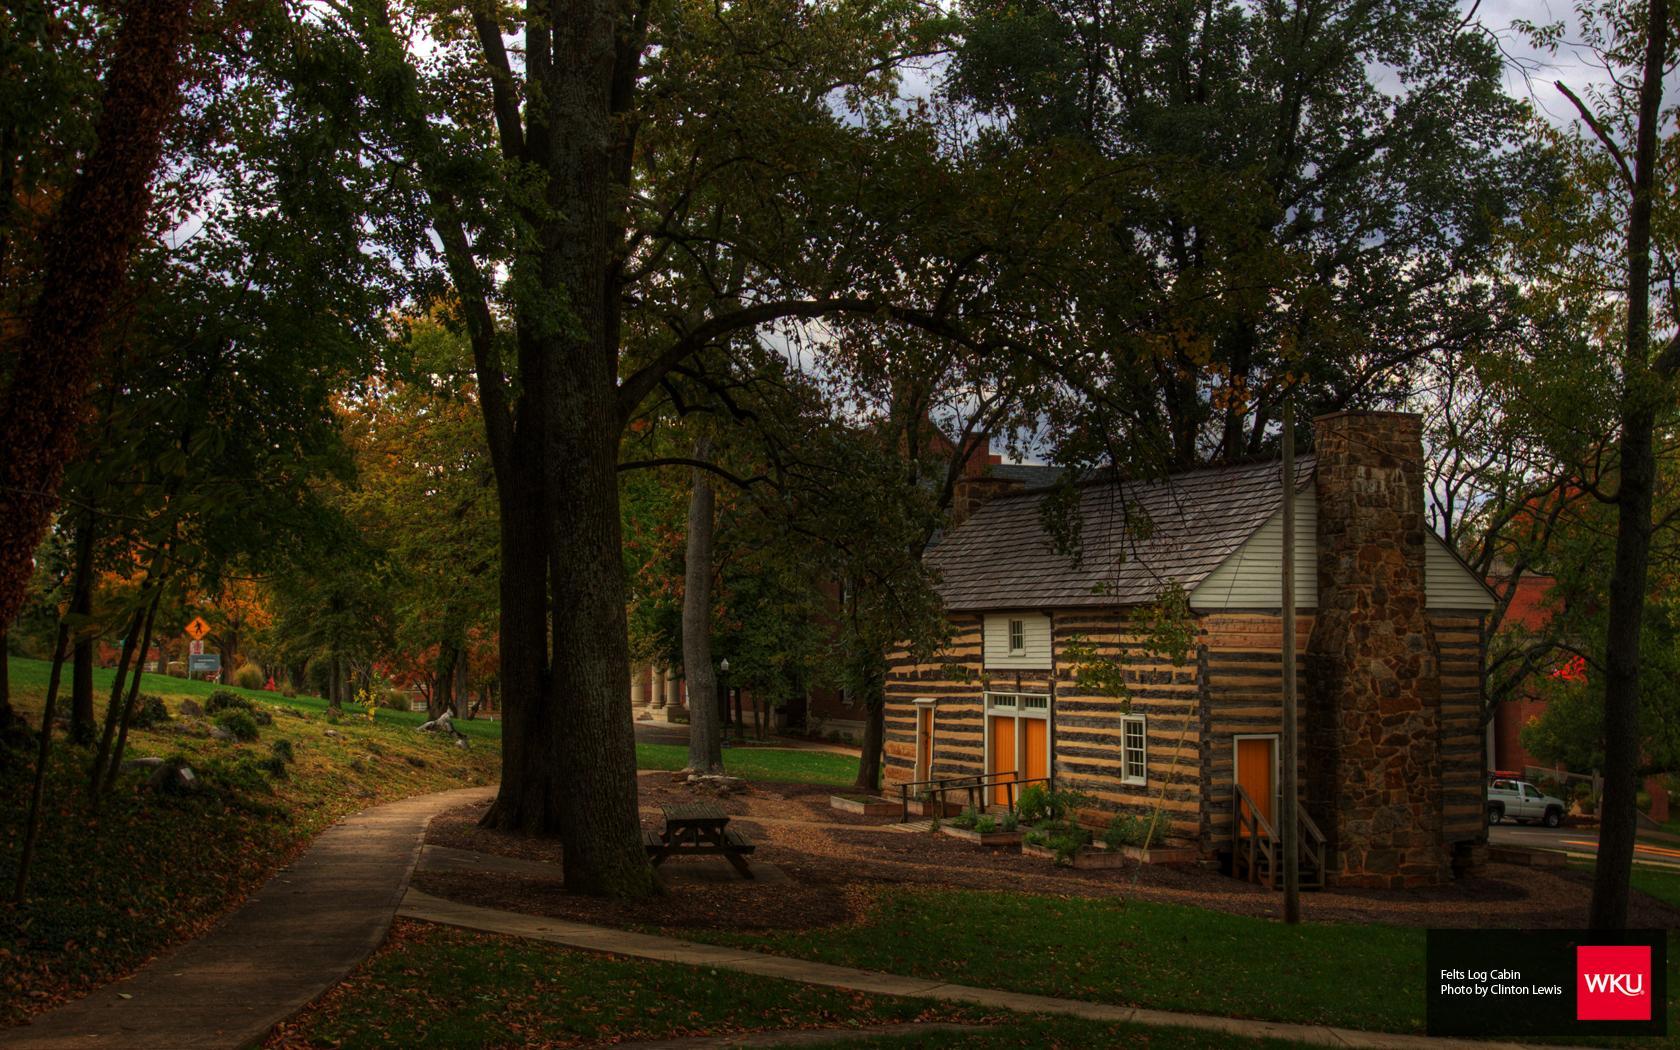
(1034, 475)
(1178, 529)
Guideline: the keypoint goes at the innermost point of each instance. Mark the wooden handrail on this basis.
(971, 783)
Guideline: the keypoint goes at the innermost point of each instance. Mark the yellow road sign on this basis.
(198, 628)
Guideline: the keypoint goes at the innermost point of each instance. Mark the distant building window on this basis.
(1017, 637)
(1134, 745)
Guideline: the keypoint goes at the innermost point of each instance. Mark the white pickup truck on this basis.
(1522, 802)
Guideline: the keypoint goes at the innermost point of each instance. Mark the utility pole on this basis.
(1289, 819)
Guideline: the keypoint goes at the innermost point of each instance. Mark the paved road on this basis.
(1583, 842)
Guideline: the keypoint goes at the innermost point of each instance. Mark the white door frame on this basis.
(929, 705)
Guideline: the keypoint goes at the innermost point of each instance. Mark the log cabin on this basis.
(1390, 651)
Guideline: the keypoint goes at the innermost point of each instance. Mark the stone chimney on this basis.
(1371, 728)
(971, 492)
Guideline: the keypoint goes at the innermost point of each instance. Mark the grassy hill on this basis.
(113, 886)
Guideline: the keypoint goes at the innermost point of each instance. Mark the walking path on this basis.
(296, 937)
(423, 906)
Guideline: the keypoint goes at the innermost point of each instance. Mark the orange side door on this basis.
(1002, 756)
(1254, 772)
(1036, 740)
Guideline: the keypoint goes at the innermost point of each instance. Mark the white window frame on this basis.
(1126, 775)
(1017, 637)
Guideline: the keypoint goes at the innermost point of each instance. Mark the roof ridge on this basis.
(1105, 478)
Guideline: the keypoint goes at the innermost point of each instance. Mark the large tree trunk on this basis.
(705, 736)
(1629, 576)
(529, 799)
(874, 724)
(442, 698)
(86, 251)
(603, 852)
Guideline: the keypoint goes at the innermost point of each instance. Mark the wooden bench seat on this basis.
(737, 841)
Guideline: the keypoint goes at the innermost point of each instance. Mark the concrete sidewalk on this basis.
(423, 906)
(299, 935)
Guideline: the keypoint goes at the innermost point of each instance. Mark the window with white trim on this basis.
(1134, 747)
(1017, 637)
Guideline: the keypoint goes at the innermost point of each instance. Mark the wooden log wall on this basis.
(1087, 734)
(953, 679)
(1243, 685)
(1459, 637)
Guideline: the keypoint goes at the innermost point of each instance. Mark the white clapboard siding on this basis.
(1036, 632)
(1249, 578)
(1447, 584)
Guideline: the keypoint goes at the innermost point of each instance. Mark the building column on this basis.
(638, 686)
(673, 694)
(655, 677)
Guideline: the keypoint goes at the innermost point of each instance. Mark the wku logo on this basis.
(1619, 983)
(1613, 982)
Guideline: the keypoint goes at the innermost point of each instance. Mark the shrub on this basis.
(249, 676)
(224, 700)
(283, 750)
(393, 700)
(1129, 829)
(1038, 804)
(1034, 804)
(968, 818)
(149, 711)
(274, 766)
(261, 717)
(240, 724)
(986, 825)
(1009, 821)
(289, 691)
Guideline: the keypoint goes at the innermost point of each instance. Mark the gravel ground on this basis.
(836, 861)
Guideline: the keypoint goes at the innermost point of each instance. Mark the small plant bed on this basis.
(1144, 839)
(864, 805)
(984, 828)
(433, 986)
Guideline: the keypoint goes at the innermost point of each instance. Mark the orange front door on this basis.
(1255, 772)
(1001, 758)
(1035, 734)
(924, 743)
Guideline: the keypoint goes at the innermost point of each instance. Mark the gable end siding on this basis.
(1249, 578)
(1036, 633)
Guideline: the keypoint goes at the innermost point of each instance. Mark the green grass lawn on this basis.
(30, 677)
(793, 766)
(433, 986)
(1165, 956)
(110, 889)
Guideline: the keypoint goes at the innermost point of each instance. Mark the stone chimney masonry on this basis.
(1371, 725)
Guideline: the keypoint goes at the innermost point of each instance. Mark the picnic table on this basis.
(698, 829)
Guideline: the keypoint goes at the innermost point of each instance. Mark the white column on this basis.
(638, 686)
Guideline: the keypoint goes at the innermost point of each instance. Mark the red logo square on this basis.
(1613, 982)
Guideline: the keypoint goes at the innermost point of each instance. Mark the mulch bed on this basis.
(836, 862)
